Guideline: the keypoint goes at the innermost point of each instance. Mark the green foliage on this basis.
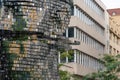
(59, 65)
(67, 54)
(71, 55)
(75, 77)
(22, 48)
(20, 24)
(5, 43)
(112, 68)
(15, 75)
(19, 38)
(61, 50)
(64, 75)
(11, 57)
(6, 46)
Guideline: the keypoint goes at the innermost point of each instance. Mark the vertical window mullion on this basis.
(75, 10)
(75, 56)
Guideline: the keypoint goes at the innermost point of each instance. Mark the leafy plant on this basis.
(67, 54)
(112, 68)
(64, 75)
(21, 48)
(19, 24)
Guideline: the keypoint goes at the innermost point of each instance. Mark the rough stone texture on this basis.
(29, 35)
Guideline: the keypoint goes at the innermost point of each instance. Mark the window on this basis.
(64, 34)
(63, 60)
(84, 37)
(71, 32)
(77, 33)
(78, 57)
(88, 20)
(71, 57)
(93, 5)
(113, 13)
(88, 61)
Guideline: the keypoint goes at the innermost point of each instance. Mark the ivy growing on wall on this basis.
(19, 24)
(10, 56)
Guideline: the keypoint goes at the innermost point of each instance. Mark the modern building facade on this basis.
(31, 33)
(114, 31)
(89, 26)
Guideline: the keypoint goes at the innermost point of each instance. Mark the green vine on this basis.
(19, 24)
(6, 46)
(19, 38)
(21, 48)
(10, 56)
(20, 74)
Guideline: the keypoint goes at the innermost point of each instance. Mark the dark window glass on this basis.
(72, 11)
(0, 3)
(64, 34)
(71, 32)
